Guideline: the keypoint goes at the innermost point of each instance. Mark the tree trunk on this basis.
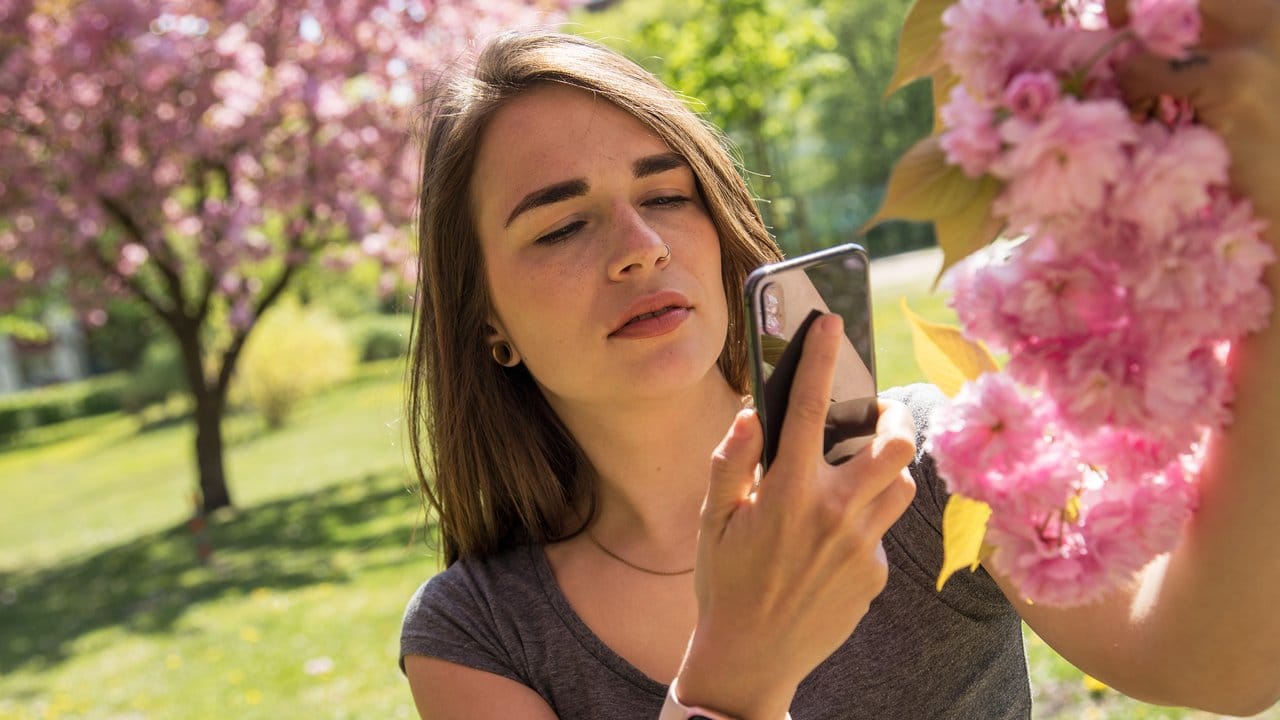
(213, 478)
(210, 400)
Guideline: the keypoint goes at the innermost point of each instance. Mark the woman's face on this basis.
(574, 200)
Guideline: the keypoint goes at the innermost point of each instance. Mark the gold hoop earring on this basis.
(504, 354)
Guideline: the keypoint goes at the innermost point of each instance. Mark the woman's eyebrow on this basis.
(547, 195)
(662, 162)
(644, 167)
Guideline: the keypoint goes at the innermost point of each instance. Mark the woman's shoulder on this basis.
(931, 492)
(478, 580)
(920, 399)
(470, 613)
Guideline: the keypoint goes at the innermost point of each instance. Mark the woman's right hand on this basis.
(785, 574)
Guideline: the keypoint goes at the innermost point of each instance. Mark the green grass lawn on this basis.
(105, 612)
(895, 361)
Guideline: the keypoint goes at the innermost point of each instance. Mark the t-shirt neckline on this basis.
(580, 630)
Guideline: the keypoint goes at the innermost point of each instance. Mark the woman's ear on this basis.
(503, 352)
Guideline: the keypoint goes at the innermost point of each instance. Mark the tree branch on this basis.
(232, 353)
(170, 316)
(131, 226)
(205, 297)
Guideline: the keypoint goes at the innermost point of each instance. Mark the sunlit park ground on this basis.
(106, 613)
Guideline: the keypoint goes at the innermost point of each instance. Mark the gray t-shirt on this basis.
(916, 654)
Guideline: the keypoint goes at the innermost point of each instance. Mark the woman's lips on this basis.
(653, 324)
(653, 314)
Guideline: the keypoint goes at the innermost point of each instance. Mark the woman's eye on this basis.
(667, 201)
(559, 234)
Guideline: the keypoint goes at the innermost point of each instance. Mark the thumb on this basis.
(1231, 22)
(1117, 13)
(1145, 77)
(733, 469)
(1225, 22)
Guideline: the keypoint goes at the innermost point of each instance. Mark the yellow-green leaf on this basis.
(923, 186)
(919, 43)
(964, 524)
(1094, 685)
(947, 358)
(962, 233)
(1071, 513)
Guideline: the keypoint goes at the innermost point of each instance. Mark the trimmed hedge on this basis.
(56, 403)
(159, 375)
(381, 337)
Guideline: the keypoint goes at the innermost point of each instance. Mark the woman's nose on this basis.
(635, 244)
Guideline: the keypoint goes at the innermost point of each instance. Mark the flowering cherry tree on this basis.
(196, 154)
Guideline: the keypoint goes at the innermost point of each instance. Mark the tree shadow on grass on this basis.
(45, 435)
(146, 585)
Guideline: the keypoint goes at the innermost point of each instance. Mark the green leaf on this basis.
(962, 233)
(947, 358)
(923, 186)
(919, 44)
(964, 524)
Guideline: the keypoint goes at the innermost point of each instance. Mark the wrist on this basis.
(733, 682)
(676, 709)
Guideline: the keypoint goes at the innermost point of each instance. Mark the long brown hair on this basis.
(495, 464)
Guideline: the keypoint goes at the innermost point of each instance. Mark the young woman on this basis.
(579, 374)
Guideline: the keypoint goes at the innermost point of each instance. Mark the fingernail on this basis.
(832, 323)
(1191, 60)
(739, 426)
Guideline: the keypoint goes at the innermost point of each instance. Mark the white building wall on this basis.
(65, 358)
(10, 379)
(67, 351)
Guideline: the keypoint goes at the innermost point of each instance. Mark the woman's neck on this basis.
(652, 460)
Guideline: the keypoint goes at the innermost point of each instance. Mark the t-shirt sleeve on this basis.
(921, 399)
(448, 618)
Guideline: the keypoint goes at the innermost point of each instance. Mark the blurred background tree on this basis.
(798, 86)
(195, 155)
(175, 167)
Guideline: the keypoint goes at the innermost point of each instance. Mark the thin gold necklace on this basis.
(633, 566)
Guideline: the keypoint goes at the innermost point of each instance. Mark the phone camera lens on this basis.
(773, 314)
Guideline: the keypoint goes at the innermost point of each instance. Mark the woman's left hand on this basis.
(786, 572)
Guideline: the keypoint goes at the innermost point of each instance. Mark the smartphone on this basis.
(783, 299)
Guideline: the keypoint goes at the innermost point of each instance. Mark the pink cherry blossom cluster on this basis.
(1131, 274)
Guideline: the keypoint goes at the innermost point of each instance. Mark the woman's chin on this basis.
(674, 375)
(674, 378)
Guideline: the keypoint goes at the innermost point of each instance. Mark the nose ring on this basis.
(668, 255)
